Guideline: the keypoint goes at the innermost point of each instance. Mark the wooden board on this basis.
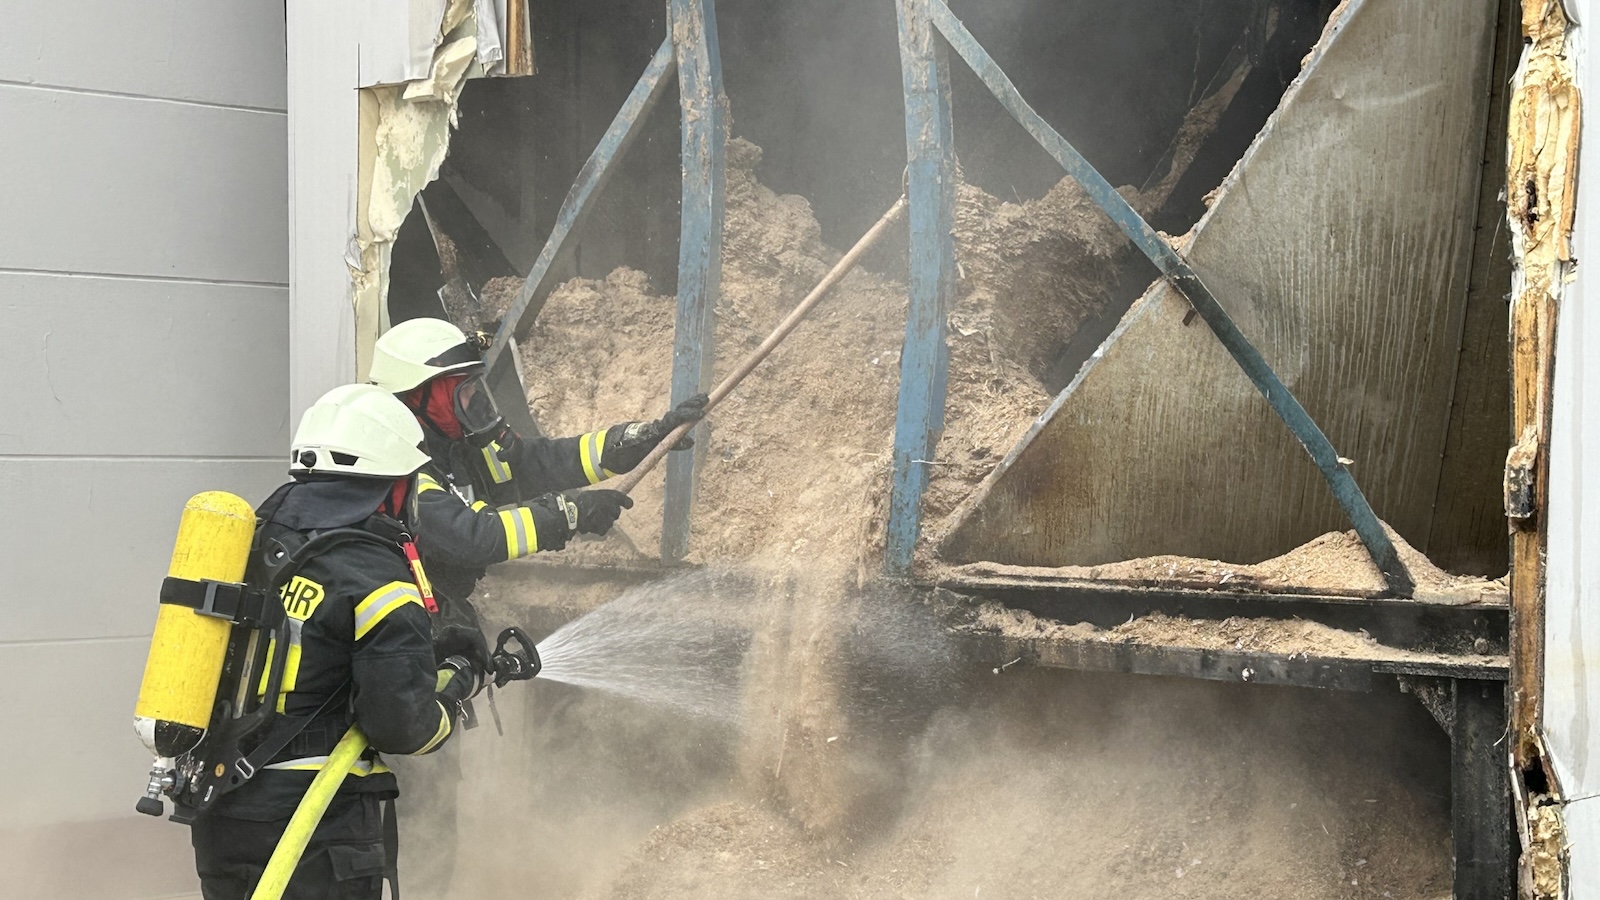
(1340, 245)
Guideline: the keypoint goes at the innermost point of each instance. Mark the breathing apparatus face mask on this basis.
(401, 504)
(409, 516)
(476, 411)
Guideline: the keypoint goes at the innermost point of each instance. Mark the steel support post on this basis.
(925, 358)
(693, 25)
(1480, 792)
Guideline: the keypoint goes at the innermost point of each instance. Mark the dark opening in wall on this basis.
(817, 86)
(1163, 96)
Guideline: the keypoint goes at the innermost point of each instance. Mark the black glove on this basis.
(460, 681)
(597, 509)
(627, 445)
(465, 641)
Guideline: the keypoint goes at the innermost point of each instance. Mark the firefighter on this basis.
(490, 495)
(361, 654)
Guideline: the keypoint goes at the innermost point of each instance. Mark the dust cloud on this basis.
(870, 759)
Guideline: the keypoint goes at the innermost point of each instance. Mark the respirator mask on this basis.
(476, 411)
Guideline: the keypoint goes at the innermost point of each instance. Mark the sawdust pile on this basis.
(1285, 637)
(798, 456)
(1052, 785)
(1333, 564)
(1037, 783)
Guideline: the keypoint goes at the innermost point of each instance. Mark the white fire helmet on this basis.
(419, 350)
(357, 429)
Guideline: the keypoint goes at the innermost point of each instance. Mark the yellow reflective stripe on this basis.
(590, 447)
(499, 472)
(426, 482)
(381, 602)
(516, 543)
(521, 536)
(479, 506)
(361, 769)
(441, 734)
(291, 665)
(533, 532)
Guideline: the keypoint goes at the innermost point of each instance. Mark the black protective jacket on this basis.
(356, 619)
(481, 506)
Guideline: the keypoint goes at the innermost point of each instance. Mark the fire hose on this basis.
(518, 664)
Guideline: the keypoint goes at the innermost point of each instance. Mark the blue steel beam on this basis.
(925, 359)
(1178, 272)
(705, 133)
(575, 209)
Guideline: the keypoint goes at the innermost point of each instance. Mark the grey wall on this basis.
(1572, 588)
(144, 353)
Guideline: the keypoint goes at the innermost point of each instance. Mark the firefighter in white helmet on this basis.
(362, 653)
(489, 495)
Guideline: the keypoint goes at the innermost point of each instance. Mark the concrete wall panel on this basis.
(324, 121)
(208, 52)
(144, 345)
(105, 364)
(100, 772)
(141, 187)
(97, 537)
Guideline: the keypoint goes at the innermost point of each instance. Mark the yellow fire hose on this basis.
(308, 814)
(286, 857)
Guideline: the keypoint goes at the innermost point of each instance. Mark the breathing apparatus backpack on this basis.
(208, 703)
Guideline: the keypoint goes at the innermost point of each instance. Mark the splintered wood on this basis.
(1541, 179)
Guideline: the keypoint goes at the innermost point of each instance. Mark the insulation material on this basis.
(405, 135)
(1340, 245)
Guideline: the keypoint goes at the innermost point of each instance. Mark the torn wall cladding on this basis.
(1341, 244)
(405, 122)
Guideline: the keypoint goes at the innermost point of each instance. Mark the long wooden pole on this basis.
(628, 482)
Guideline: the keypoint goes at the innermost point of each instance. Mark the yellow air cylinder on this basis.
(186, 652)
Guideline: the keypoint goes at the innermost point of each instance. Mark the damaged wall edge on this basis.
(403, 139)
(1541, 177)
(347, 203)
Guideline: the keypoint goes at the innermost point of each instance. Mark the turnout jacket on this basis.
(481, 506)
(356, 618)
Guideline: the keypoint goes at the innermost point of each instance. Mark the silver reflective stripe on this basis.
(522, 532)
(595, 449)
(310, 763)
(376, 607)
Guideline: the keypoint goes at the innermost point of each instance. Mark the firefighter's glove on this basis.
(463, 640)
(627, 445)
(459, 681)
(597, 509)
